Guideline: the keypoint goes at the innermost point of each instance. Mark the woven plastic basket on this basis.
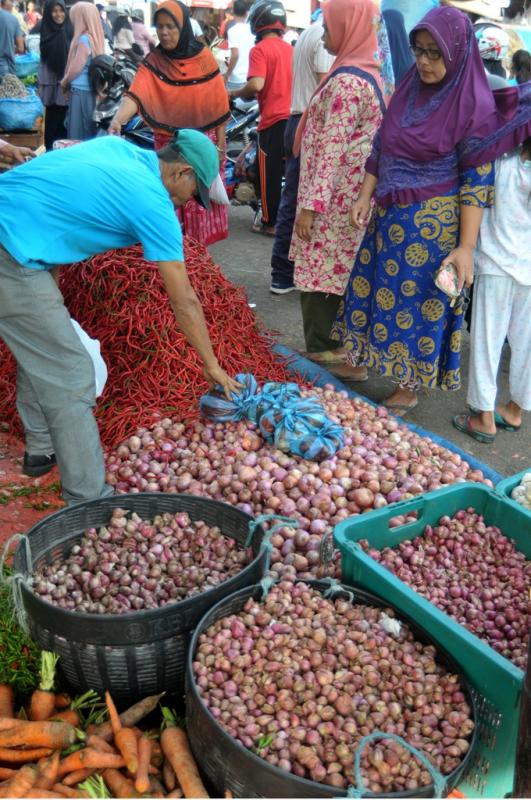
(227, 765)
(141, 652)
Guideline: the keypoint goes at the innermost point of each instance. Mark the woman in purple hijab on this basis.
(431, 175)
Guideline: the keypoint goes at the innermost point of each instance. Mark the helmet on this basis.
(493, 42)
(267, 15)
(102, 73)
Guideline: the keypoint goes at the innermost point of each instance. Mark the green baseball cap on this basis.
(200, 153)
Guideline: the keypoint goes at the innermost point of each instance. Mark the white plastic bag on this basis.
(92, 346)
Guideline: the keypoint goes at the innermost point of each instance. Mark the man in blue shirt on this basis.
(11, 39)
(64, 207)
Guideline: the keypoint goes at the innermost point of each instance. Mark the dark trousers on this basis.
(271, 170)
(54, 125)
(281, 266)
(319, 311)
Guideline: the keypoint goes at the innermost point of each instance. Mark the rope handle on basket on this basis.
(14, 582)
(255, 523)
(334, 587)
(439, 781)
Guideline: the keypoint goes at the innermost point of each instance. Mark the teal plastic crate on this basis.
(505, 487)
(497, 682)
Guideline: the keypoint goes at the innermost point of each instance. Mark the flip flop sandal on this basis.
(261, 229)
(327, 358)
(463, 424)
(345, 372)
(400, 409)
(500, 421)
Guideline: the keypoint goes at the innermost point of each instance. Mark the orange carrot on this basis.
(6, 773)
(77, 776)
(228, 794)
(11, 756)
(42, 702)
(57, 735)
(21, 783)
(156, 753)
(48, 768)
(99, 744)
(43, 793)
(68, 791)
(8, 723)
(114, 717)
(69, 715)
(168, 776)
(127, 744)
(62, 700)
(177, 750)
(144, 757)
(90, 758)
(7, 701)
(118, 784)
(153, 770)
(176, 793)
(129, 717)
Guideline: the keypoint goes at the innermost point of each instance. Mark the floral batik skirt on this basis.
(393, 318)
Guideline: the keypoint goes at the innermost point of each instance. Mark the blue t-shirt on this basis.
(82, 80)
(9, 31)
(68, 205)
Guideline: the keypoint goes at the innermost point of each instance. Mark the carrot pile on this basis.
(119, 298)
(46, 753)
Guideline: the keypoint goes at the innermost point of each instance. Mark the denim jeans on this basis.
(56, 389)
(281, 266)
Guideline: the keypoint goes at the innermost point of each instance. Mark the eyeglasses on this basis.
(431, 55)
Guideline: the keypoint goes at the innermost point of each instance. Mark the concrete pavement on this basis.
(245, 259)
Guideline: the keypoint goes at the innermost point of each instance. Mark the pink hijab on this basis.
(352, 29)
(86, 20)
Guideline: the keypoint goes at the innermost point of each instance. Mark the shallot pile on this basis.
(382, 462)
(474, 573)
(300, 679)
(134, 564)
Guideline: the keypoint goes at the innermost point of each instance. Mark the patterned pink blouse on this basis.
(342, 121)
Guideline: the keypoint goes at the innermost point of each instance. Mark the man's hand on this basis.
(218, 377)
(10, 154)
(463, 260)
(304, 224)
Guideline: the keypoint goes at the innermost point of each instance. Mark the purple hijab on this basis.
(457, 122)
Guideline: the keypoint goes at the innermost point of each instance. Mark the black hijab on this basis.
(55, 39)
(188, 45)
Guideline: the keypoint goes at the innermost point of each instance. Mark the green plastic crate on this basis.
(505, 487)
(497, 682)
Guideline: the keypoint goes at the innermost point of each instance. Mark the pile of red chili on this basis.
(120, 299)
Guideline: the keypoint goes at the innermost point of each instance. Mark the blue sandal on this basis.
(463, 424)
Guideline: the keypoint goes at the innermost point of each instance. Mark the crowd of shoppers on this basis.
(388, 147)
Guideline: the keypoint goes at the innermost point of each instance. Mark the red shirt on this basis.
(272, 59)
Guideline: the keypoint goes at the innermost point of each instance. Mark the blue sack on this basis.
(216, 407)
(304, 429)
(20, 113)
(27, 64)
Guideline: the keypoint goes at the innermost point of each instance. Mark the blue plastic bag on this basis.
(216, 407)
(27, 64)
(273, 395)
(303, 428)
(20, 113)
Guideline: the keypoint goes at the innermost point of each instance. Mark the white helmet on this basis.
(493, 42)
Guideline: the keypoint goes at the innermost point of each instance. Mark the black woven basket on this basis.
(141, 652)
(227, 765)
